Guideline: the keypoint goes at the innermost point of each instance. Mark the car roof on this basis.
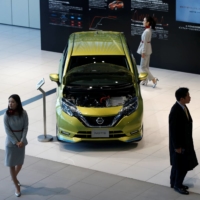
(97, 43)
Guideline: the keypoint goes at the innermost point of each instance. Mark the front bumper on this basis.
(128, 129)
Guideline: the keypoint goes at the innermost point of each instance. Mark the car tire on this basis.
(115, 8)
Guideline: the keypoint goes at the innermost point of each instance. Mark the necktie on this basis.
(186, 112)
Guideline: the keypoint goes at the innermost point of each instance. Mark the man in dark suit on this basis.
(182, 154)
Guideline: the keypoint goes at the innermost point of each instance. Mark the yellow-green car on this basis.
(98, 94)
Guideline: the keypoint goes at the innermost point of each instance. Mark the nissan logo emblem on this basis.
(99, 120)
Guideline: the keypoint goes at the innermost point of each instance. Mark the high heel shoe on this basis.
(145, 82)
(155, 83)
(17, 194)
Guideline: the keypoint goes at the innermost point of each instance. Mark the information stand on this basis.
(44, 137)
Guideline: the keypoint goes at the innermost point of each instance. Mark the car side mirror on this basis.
(55, 78)
(142, 76)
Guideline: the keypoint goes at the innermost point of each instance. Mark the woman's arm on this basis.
(8, 131)
(25, 128)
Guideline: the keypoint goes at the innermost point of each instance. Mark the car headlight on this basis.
(128, 108)
(69, 108)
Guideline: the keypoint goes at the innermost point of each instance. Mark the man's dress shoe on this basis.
(181, 190)
(185, 187)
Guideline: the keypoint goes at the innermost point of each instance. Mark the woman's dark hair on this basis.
(19, 108)
(181, 93)
(151, 21)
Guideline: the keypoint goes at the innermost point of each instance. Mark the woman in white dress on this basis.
(16, 127)
(145, 49)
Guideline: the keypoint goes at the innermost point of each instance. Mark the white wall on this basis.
(20, 13)
(34, 13)
(5, 11)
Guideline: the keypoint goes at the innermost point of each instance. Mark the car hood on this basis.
(95, 74)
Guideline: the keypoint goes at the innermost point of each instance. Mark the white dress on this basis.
(16, 128)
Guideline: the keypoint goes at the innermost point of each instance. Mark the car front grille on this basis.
(92, 121)
(88, 134)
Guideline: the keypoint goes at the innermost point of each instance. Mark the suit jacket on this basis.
(145, 44)
(12, 123)
(180, 136)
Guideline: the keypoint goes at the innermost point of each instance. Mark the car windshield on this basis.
(98, 74)
(77, 61)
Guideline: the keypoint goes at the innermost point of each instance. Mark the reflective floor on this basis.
(23, 65)
(45, 179)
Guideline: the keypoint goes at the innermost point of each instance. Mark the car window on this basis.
(77, 61)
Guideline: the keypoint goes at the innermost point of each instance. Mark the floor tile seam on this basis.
(150, 114)
(151, 184)
(114, 161)
(108, 174)
(132, 165)
(57, 194)
(135, 162)
(38, 62)
(158, 151)
(70, 158)
(161, 171)
(40, 159)
(156, 131)
(50, 190)
(6, 176)
(29, 186)
(16, 51)
(36, 155)
(155, 185)
(195, 174)
(109, 186)
(9, 196)
(104, 158)
(94, 171)
(26, 69)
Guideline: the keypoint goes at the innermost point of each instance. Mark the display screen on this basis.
(175, 40)
(188, 11)
(66, 13)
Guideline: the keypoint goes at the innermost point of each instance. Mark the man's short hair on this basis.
(181, 93)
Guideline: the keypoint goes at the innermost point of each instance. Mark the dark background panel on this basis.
(178, 51)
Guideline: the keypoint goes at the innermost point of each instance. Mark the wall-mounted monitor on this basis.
(188, 11)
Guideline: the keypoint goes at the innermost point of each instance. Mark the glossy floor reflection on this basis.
(23, 65)
(45, 179)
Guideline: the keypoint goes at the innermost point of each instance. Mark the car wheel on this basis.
(115, 8)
